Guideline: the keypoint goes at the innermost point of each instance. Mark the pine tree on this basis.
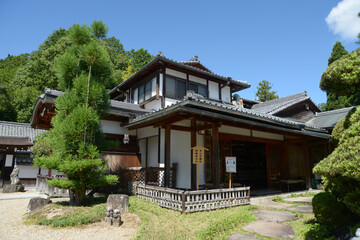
(337, 52)
(76, 135)
(264, 92)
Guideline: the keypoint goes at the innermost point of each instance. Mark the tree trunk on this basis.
(79, 197)
(72, 197)
(88, 88)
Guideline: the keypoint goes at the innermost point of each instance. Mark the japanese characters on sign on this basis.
(198, 154)
(230, 164)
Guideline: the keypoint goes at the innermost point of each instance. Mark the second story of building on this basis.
(163, 82)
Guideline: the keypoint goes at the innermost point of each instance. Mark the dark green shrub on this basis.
(328, 210)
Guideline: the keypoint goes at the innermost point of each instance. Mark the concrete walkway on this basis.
(21, 195)
(272, 217)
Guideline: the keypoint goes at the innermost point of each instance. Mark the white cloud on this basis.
(343, 19)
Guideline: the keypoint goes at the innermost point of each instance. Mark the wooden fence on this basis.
(154, 176)
(43, 187)
(194, 201)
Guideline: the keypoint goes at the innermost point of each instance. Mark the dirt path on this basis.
(13, 228)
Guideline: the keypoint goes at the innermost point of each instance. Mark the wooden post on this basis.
(193, 144)
(167, 155)
(307, 164)
(215, 155)
(197, 177)
(230, 180)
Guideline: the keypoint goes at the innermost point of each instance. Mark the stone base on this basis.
(118, 201)
(10, 188)
(37, 203)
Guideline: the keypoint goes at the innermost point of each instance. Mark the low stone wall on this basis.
(43, 187)
(194, 201)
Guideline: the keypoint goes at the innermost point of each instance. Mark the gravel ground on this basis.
(13, 228)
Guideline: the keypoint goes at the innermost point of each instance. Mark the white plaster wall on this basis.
(114, 127)
(142, 146)
(180, 153)
(44, 171)
(213, 90)
(161, 80)
(30, 171)
(153, 151)
(26, 171)
(225, 94)
(175, 73)
(146, 132)
(154, 105)
(234, 130)
(266, 135)
(197, 79)
(170, 101)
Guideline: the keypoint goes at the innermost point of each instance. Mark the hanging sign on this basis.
(230, 164)
(198, 154)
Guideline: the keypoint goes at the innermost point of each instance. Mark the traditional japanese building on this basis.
(168, 106)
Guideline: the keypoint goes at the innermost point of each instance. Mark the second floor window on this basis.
(175, 88)
(145, 91)
(199, 89)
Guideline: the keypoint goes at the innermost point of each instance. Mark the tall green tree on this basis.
(337, 52)
(264, 92)
(342, 78)
(334, 100)
(76, 135)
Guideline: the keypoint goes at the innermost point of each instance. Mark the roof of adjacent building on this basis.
(117, 108)
(210, 108)
(192, 65)
(19, 130)
(277, 105)
(328, 119)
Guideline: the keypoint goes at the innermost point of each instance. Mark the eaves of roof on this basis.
(280, 104)
(161, 59)
(220, 110)
(117, 108)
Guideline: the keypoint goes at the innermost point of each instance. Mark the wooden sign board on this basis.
(230, 164)
(199, 154)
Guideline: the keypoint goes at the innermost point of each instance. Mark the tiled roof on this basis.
(328, 119)
(14, 129)
(277, 105)
(162, 58)
(243, 112)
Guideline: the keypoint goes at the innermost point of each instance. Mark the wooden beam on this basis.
(204, 127)
(167, 155)
(215, 155)
(180, 128)
(193, 144)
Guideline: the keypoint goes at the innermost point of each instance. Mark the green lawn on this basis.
(160, 223)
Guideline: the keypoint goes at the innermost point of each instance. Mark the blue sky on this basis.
(285, 42)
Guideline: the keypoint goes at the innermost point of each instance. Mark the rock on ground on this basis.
(300, 199)
(37, 203)
(239, 236)
(270, 229)
(118, 201)
(302, 209)
(274, 216)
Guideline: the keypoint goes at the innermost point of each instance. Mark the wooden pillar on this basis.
(215, 155)
(193, 144)
(167, 155)
(307, 164)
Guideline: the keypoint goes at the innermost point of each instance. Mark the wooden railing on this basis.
(194, 201)
(154, 176)
(43, 187)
